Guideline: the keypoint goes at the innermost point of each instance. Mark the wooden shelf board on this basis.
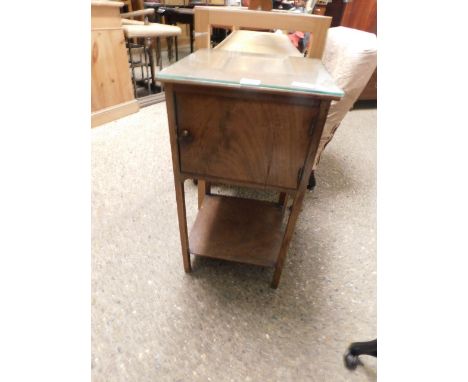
(237, 229)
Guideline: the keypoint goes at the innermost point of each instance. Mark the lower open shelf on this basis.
(237, 229)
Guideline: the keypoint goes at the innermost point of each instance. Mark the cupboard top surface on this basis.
(250, 70)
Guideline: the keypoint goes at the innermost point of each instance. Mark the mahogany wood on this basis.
(204, 188)
(297, 203)
(242, 136)
(178, 181)
(243, 230)
(260, 142)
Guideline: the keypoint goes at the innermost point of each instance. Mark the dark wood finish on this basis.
(297, 203)
(283, 201)
(362, 15)
(236, 229)
(204, 188)
(250, 137)
(335, 10)
(259, 140)
(178, 181)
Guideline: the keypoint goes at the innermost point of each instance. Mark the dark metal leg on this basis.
(153, 74)
(141, 66)
(351, 357)
(149, 69)
(191, 37)
(132, 67)
(158, 53)
(312, 181)
(176, 49)
(169, 49)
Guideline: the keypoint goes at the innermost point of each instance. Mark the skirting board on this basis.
(151, 99)
(114, 112)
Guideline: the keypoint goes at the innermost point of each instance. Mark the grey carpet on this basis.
(152, 322)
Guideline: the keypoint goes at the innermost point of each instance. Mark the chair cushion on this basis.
(350, 56)
(151, 30)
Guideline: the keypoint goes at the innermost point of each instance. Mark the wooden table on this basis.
(251, 120)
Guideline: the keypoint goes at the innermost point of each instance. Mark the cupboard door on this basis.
(257, 140)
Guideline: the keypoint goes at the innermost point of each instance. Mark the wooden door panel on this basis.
(260, 141)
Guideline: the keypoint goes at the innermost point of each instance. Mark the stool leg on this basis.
(176, 49)
(169, 49)
(191, 37)
(141, 66)
(151, 59)
(158, 53)
(132, 67)
(148, 66)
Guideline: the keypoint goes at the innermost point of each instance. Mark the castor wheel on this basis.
(351, 357)
(351, 361)
(312, 182)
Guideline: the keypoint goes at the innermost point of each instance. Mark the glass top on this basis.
(260, 71)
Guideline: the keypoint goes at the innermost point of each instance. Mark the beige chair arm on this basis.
(132, 22)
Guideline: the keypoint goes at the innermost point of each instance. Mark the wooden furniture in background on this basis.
(362, 15)
(357, 14)
(253, 120)
(236, 18)
(111, 87)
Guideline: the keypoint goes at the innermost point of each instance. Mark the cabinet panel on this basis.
(111, 83)
(252, 140)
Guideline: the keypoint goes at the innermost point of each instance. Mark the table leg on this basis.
(296, 208)
(204, 188)
(181, 214)
(283, 201)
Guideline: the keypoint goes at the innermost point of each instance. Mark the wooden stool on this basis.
(149, 31)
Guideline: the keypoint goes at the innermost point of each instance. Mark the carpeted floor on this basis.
(152, 322)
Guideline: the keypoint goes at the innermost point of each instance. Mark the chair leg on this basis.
(312, 181)
(191, 25)
(132, 66)
(351, 357)
(169, 49)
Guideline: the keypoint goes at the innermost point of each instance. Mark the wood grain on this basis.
(114, 112)
(178, 182)
(362, 15)
(111, 83)
(260, 140)
(236, 18)
(111, 86)
(236, 229)
(297, 202)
